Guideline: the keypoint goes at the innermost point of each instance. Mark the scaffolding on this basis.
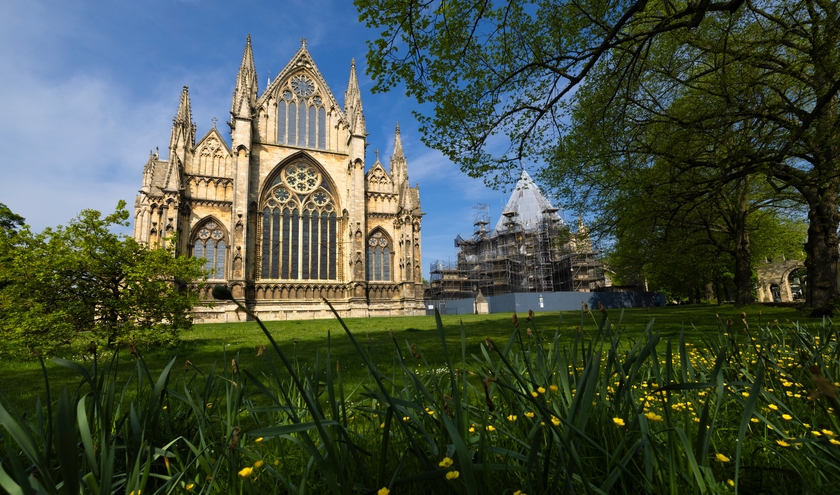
(546, 258)
(529, 250)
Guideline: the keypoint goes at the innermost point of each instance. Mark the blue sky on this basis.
(88, 88)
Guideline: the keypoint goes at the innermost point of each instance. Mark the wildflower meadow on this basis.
(743, 409)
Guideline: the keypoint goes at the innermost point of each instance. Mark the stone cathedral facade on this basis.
(286, 215)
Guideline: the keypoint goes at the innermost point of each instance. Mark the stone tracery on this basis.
(299, 226)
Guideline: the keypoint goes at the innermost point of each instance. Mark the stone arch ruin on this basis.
(776, 274)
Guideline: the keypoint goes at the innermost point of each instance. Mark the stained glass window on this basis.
(281, 122)
(302, 115)
(209, 243)
(378, 258)
(303, 227)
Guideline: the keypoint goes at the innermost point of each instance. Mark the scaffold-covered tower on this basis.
(530, 249)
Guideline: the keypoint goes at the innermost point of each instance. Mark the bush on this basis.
(85, 283)
(610, 413)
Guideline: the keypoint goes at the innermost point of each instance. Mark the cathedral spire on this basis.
(184, 113)
(399, 166)
(398, 150)
(183, 129)
(353, 103)
(245, 94)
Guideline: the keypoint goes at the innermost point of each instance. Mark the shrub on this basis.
(85, 282)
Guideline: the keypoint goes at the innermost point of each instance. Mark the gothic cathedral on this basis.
(286, 216)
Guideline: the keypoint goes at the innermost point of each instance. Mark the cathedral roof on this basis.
(526, 206)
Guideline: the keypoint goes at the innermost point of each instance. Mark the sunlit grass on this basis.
(206, 344)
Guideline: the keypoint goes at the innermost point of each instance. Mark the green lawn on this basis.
(216, 344)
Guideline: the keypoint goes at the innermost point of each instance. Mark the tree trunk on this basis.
(821, 250)
(743, 278)
(742, 252)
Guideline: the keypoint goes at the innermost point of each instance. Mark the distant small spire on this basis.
(303, 42)
(353, 62)
(377, 154)
(214, 119)
(246, 90)
(399, 166)
(184, 113)
(398, 148)
(353, 103)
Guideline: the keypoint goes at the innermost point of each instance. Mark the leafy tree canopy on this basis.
(730, 88)
(82, 282)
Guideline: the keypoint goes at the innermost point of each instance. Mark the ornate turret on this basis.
(353, 104)
(181, 142)
(148, 173)
(245, 94)
(399, 166)
(183, 129)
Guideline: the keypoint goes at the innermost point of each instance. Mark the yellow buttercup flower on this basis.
(491, 428)
(451, 475)
(535, 394)
(276, 462)
(555, 421)
(618, 421)
(652, 416)
(258, 440)
(245, 472)
(553, 388)
(529, 414)
(541, 390)
(383, 491)
(828, 433)
(773, 407)
(787, 417)
(190, 486)
(512, 417)
(721, 458)
(782, 443)
(445, 463)
(834, 441)
(730, 482)
(260, 463)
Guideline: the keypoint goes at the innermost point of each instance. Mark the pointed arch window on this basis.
(209, 241)
(299, 226)
(302, 115)
(379, 258)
